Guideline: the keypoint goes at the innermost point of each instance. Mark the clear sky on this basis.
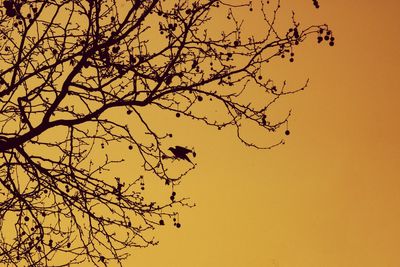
(331, 195)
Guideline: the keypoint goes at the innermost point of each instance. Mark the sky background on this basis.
(331, 195)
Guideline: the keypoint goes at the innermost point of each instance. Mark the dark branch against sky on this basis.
(77, 78)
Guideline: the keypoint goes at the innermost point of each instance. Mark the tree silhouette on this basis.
(77, 78)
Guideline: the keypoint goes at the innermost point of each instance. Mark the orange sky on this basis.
(329, 197)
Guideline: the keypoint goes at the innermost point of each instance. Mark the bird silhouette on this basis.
(181, 152)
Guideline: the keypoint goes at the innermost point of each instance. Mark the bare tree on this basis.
(78, 77)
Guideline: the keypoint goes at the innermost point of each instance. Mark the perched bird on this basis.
(181, 152)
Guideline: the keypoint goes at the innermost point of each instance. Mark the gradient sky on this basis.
(331, 195)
